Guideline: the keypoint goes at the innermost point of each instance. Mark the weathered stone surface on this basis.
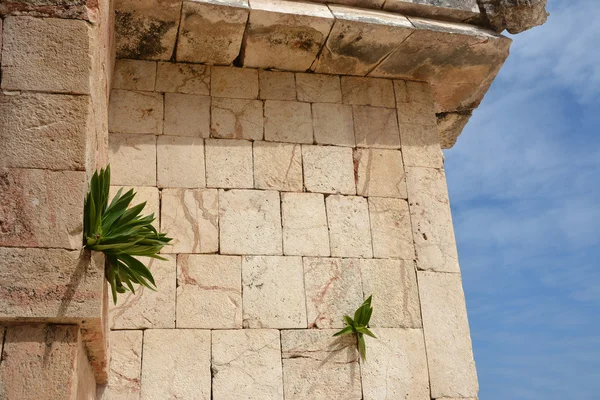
(421, 146)
(368, 91)
(328, 169)
(68, 9)
(183, 78)
(333, 289)
(447, 339)
(376, 4)
(376, 127)
(46, 55)
(449, 10)
(211, 31)
(277, 85)
(318, 88)
(237, 119)
(134, 75)
(380, 173)
(278, 166)
(250, 222)
(246, 364)
(433, 232)
(273, 292)
(285, 35)
(180, 162)
(396, 366)
(415, 103)
(229, 163)
(176, 364)
(125, 366)
(234, 83)
(132, 160)
(187, 115)
(318, 366)
(209, 291)
(515, 16)
(333, 124)
(135, 112)
(41, 208)
(146, 29)
(190, 217)
(147, 308)
(450, 126)
(288, 121)
(349, 226)
(304, 220)
(86, 381)
(391, 229)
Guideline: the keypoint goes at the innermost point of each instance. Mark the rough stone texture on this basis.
(433, 232)
(187, 115)
(250, 222)
(368, 91)
(288, 121)
(229, 163)
(285, 35)
(46, 55)
(273, 292)
(415, 103)
(396, 366)
(211, 31)
(304, 221)
(376, 127)
(234, 83)
(190, 217)
(318, 366)
(333, 289)
(450, 126)
(515, 16)
(132, 160)
(147, 308)
(447, 339)
(209, 291)
(318, 88)
(176, 364)
(183, 78)
(41, 208)
(237, 119)
(391, 229)
(328, 169)
(180, 162)
(278, 166)
(421, 146)
(349, 226)
(68, 9)
(333, 124)
(277, 85)
(135, 112)
(450, 10)
(146, 29)
(125, 366)
(246, 364)
(134, 75)
(380, 173)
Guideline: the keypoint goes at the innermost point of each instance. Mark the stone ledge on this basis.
(68, 9)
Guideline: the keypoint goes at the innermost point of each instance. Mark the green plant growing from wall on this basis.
(359, 326)
(122, 234)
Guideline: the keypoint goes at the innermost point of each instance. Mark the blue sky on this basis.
(524, 181)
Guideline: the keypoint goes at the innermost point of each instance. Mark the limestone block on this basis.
(246, 364)
(147, 308)
(134, 75)
(450, 126)
(209, 291)
(234, 83)
(191, 218)
(211, 31)
(229, 163)
(180, 162)
(176, 364)
(132, 159)
(288, 121)
(433, 232)
(349, 226)
(368, 91)
(183, 78)
(277, 85)
(46, 55)
(360, 39)
(237, 119)
(319, 366)
(333, 289)
(380, 173)
(250, 222)
(277, 166)
(146, 30)
(135, 112)
(125, 366)
(396, 366)
(317, 88)
(285, 35)
(304, 220)
(41, 208)
(452, 10)
(391, 229)
(187, 115)
(333, 124)
(328, 169)
(376, 127)
(447, 339)
(421, 146)
(415, 103)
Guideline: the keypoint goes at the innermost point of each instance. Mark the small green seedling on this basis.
(359, 326)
